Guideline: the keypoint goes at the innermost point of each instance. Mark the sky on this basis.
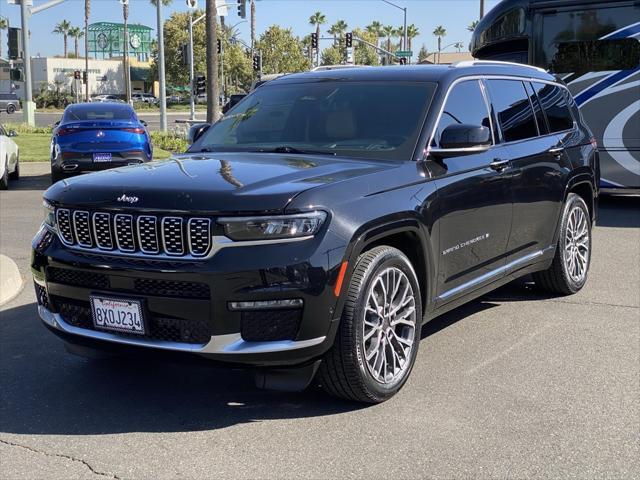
(454, 15)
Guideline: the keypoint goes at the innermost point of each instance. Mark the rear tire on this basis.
(377, 341)
(570, 267)
(11, 108)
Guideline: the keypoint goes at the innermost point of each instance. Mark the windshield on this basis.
(375, 120)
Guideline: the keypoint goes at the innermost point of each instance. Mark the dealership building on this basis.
(106, 66)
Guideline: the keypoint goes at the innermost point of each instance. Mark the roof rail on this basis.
(471, 63)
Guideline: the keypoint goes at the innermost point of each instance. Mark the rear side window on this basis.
(98, 112)
(537, 109)
(513, 108)
(554, 103)
(465, 104)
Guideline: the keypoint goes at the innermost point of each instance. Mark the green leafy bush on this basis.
(169, 141)
(26, 128)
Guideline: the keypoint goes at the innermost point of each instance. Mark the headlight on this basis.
(273, 228)
(49, 214)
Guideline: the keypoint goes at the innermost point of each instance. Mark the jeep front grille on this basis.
(149, 235)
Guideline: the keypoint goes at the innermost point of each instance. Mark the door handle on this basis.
(498, 164)
(556, 151)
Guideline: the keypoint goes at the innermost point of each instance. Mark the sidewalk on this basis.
(10, 279)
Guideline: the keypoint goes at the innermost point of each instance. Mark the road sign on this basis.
(404, 53)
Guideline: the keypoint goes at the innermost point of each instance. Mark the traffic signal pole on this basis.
(161, 76)
(192, 101)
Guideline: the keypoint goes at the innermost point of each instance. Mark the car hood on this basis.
(211, 182)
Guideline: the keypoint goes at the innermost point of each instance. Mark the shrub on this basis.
(169, 141)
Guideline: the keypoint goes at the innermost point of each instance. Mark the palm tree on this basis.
(389, 32)
(472, 26)
(76, 33)
(337, 30)
(62, 28)
(317, 19)
(375, 28)
(412, 32)
(440, 32)
(459, 46)
(125, 52)
(3, 26)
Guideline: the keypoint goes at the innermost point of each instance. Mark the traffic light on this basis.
(242, 8)
(14, 41)
(314, 40)
(85, 77)
(76, 74)
(184, 54)
(201, 84)
(348, 40)
(15, 75)
(403, 60)
(257, 63)
(219, 46)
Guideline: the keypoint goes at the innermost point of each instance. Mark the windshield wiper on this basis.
(288, 149)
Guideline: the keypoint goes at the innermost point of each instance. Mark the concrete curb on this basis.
(10, 280)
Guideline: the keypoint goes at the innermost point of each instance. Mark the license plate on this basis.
(101, 157)
(121, 315)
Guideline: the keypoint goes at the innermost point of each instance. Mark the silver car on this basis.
(9, 102)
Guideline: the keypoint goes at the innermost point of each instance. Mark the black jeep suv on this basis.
(311, 231)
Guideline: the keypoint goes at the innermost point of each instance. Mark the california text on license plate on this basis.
(121, 315)
(101, 157)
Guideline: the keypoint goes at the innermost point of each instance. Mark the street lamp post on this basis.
(28, 108)
(404, 9)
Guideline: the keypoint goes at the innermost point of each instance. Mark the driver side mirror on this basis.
(196, 131)
(460, 139)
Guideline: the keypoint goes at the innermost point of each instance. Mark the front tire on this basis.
(377, 342)
(15, 175)
(570, 267)
(11, 108)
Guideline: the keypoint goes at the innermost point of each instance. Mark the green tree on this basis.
(3, 26)
(459, 46)
(338, 29)
(440, 32)
(176, 34)
(412, 32)
(76, 33)
(317, 19)
(389, 32)
(375, 28)
(363, 53)
(423, 54)
(282, 52)
(472, 26)
(62, 28)
(333, 55)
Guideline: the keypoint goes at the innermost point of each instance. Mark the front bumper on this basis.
(251, 273)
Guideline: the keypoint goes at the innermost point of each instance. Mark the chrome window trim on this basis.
(164, 243)
(75, 230)
(208, 220)
(133, 232)
(95, 233)
(155, 220)
(60, 235)
(427, 148)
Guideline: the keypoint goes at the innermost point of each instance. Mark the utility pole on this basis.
(161, 76)
(212, 60)
(192, 99)
(28, 108)
(87, 6)
(404, 9)
(481, 9)
(125, 50)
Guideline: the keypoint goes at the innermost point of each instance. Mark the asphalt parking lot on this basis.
(513, 385)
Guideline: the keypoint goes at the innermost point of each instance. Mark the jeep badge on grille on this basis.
(127, 199)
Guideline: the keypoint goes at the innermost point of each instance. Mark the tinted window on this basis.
(554, 103)
(97, 112)
(465, 104)
(513, 109)
(511, 24)
(574, 41)
(378, 120)
(537, 109)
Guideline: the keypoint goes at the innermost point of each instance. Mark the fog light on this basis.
(265, 304)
